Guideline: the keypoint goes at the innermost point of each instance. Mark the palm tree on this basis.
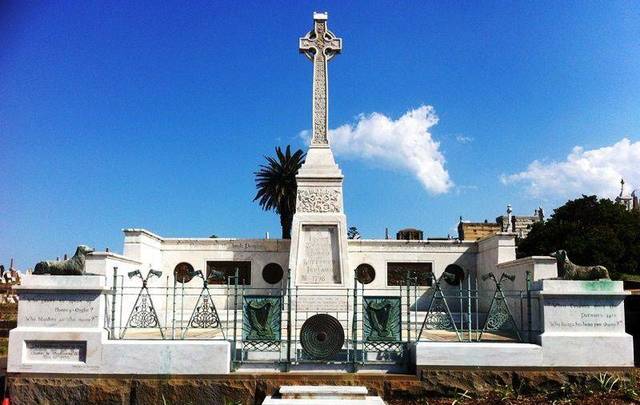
(276, 184)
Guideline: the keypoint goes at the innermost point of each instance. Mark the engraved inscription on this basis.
(56, 351)
(55, 310)
(318, 199)
(319, 262)
(584, 318)
(315, 303)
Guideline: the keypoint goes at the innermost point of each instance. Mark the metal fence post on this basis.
(235, 314)
(469, 316)
(529, 320)
(408, 307)
(289, 312)
(113, 302)
(354, 325)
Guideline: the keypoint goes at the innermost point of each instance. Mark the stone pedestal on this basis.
(60, 325)
(583, 324)
(318, 255)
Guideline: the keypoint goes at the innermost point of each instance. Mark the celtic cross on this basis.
(320, 45)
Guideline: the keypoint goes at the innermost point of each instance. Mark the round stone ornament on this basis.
(183, 272)
(321, 336)
(453, 274)
(365, 273)
(272, 273)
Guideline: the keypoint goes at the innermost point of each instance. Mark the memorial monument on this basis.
(320, 301)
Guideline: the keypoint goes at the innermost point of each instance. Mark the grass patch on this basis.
(628, 277)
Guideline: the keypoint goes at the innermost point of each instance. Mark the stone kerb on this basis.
(583, 323)
(60, 324)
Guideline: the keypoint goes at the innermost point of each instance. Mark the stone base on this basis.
(580, 350)
(479, 354)
(97, 355)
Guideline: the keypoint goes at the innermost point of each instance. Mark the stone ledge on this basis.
(62, 283)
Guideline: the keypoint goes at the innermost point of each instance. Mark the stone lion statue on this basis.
(571, 271)
(71, 267)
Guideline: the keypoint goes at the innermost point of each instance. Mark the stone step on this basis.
(323, 394)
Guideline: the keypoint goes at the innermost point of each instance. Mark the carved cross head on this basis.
(320, 42)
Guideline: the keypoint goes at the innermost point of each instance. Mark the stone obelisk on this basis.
(318, 255)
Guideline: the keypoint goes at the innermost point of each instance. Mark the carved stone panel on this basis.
(319, 200)
(319, 260)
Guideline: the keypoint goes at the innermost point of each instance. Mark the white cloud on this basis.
(405, 144)
(596, 171)
(463, 139)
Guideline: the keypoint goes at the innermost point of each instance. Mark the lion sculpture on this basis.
(72, 267)
(571, 271)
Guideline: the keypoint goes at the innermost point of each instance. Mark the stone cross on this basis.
(320, 45)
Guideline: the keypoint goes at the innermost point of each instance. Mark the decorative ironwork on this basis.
(183, 272)
(381, 319)
(143, 314)
(204, 315)
(272, 273)
(261, 318)
(321, 336)
(365, 273)
(439, 315)
(499, 317)
(262, 345)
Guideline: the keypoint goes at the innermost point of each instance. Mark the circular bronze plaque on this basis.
(365, 273)
(321, 336)
(183, 272)
(453, 274)
(272, 273)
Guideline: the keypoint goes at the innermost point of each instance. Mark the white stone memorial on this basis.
(77, 324)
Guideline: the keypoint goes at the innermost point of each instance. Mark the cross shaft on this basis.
(320, 45)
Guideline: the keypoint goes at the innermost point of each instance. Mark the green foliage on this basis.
(353, 233)
(607, 382)
(277, 186)
(593, 232)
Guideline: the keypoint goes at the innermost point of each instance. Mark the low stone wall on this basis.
(431, 384)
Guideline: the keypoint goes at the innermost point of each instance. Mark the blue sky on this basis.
(156, 115)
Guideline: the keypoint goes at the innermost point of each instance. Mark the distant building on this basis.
(630, 202)
(520, 225)
(476, 230)
(410, 234)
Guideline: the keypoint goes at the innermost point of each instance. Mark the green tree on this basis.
(592, 231)
(277, 187)
(353, 233)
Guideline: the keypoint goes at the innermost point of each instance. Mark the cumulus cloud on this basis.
(404, 144)
(596, 171)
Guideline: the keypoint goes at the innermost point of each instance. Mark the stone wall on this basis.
(431, 384)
